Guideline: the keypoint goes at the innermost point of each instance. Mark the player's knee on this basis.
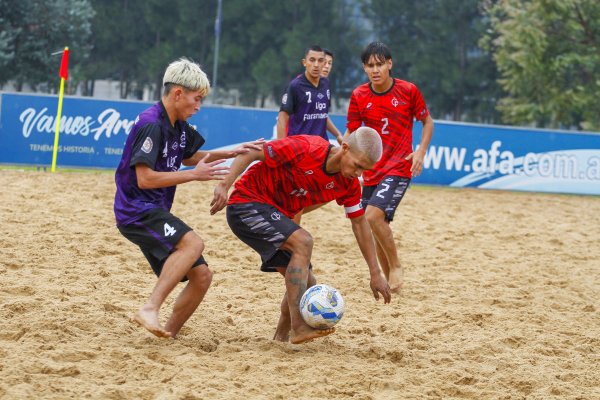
(374, 215)
(201, 277)
(193, 243)
(303, 240)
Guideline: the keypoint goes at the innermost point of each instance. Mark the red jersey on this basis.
(391, 114)
(293, 177)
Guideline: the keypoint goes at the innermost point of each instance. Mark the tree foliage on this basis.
(533, 62)
(33, 30)
(434, 44)
(548, 54)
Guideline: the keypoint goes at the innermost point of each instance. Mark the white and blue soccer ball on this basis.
(322, 306)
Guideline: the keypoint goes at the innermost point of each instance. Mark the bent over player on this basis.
(146, 178)
(294, 173)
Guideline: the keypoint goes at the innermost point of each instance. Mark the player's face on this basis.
(378, 70)
(354, 163)
(313, 63)
(188, 103)
(327, 66)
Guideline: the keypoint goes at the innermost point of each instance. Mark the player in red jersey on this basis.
(294, 173)
(389, 106)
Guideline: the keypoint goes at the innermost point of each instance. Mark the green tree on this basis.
(32, 30)
(435, 45)
(134, 40)
(263, 42)
(548, 53)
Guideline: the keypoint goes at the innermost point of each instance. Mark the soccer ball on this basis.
(322, 306)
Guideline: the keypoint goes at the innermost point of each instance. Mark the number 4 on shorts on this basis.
(169, 230)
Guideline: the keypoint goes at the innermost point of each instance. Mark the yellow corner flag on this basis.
(64, 75)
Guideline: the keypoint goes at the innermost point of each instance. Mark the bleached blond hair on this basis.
(366, 141)
(187, 74)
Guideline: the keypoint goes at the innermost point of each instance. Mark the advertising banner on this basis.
(93, 132)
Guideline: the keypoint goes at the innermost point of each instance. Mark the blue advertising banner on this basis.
(93, 132)
(493, 157)
(461, 155)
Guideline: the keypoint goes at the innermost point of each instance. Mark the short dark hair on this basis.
(314, 47)
(328, 52)
(377, 49)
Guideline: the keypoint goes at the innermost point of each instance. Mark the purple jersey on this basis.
(307, 107)
(155, 143)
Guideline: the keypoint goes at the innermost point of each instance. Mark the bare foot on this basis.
(282, 333)
(396, 280)
(149, 320)
(306, 333)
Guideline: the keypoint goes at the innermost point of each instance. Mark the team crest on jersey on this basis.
(395, 102)
(284, 99)
(320, 96)
(147, 146)
(330, 185)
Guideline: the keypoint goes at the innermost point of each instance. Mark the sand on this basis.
(501, 301)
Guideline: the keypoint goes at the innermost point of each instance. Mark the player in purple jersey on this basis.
(305, 105)
(161, 141)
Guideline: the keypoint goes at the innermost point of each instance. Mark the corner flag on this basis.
(64, 75)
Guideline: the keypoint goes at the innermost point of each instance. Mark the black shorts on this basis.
(265, 229)
(157, 233)
(386, 195)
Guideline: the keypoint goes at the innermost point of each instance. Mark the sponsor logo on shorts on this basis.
(276, 216)
(147, 146)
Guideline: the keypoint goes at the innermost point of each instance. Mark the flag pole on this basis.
(63, 77)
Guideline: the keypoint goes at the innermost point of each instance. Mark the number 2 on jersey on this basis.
(383, 128)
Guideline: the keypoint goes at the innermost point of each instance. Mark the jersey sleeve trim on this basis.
(354, 211)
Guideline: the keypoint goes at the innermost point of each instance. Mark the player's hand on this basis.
(417, 158)
(379, 285)
(219, 199)
(210, 171)
(246, 147)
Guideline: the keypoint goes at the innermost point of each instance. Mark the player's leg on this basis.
(199, 280)
(269, 232)
(386, 248)
(381, 202)
(171, 248)
(300, 244)
(282, 332)
(175, 268)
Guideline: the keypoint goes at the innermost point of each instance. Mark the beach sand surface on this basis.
(501, 301)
